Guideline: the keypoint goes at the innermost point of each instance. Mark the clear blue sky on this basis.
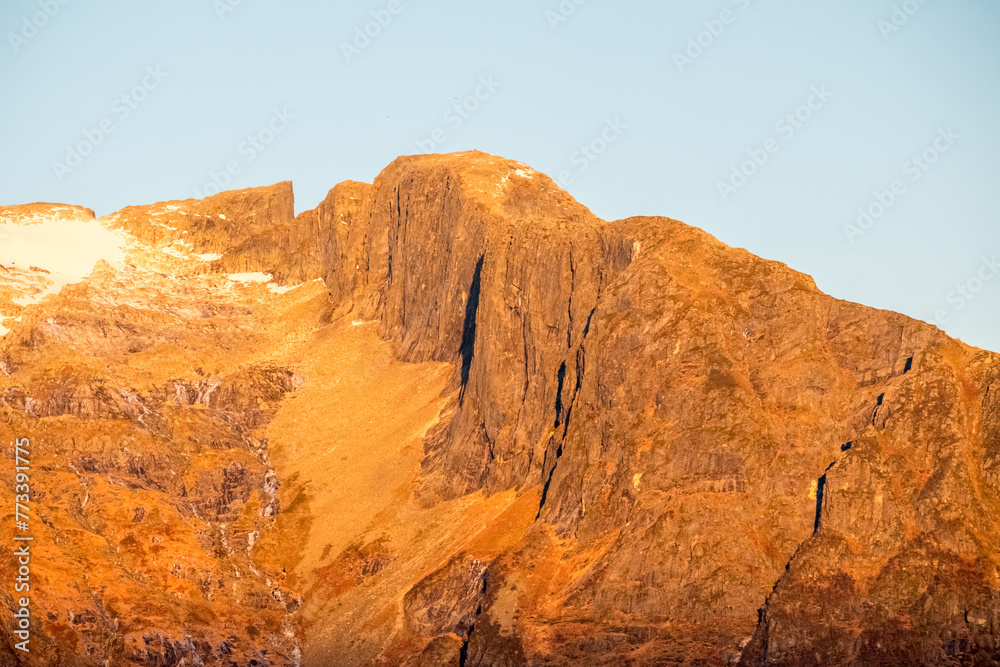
(886, 93)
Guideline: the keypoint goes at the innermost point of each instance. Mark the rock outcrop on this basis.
(498, 431)
(149, 486)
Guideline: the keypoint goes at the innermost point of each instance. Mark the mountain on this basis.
(454, 418)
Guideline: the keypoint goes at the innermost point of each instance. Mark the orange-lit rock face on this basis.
(454, 418)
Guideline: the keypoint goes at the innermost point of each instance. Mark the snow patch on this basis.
(208, 257)
(222, 216)
(250, 277)
(524, 174)
(67, 249)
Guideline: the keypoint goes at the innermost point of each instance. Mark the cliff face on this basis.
(500, 431)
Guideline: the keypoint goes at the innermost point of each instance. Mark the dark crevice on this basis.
(527, 375)
(491, 456)
(389, 249)
(468, 349)
(774, 588)
(878, 404)
(559, 403)
(909, 365)
(463, 654)
(820, 489)
(572, 289)
(569, 329)
(548, 481)
(580, 367)
(788, 565)
(586, 329)
(766, 638)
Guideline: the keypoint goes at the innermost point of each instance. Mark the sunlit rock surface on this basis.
(453, 418)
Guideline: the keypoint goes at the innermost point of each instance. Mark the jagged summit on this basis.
(452, 417)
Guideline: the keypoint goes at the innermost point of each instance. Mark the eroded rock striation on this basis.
(452, 417)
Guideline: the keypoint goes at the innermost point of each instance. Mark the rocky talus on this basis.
(453, 418)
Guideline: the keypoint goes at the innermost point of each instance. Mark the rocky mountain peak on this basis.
(452, 417)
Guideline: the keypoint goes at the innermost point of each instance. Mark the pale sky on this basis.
(768, 124)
